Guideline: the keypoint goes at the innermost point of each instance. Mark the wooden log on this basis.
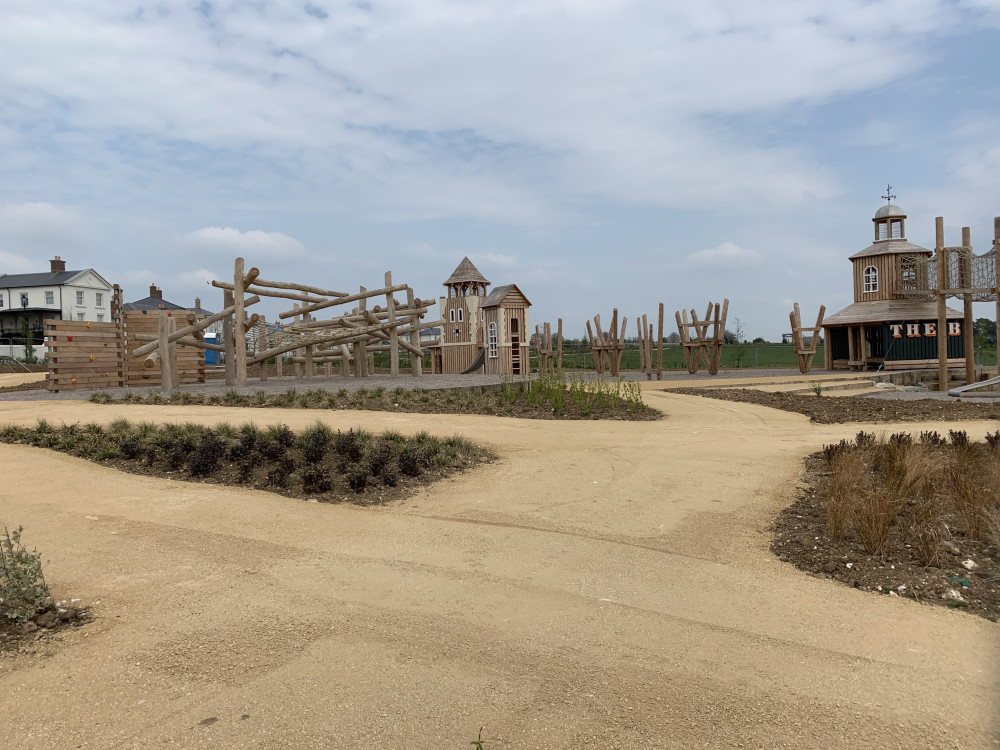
(239, 317)
(559, 358)
(363, 295)
(659, 347)
(593, 349)
(229, 340)
(942, 309)
(360, 353)
(268, 292)
(250, 276)
(390, 308)
(194, 343)
(967, 324)
(199, 326)
(347, 336)
(300, 288)
(151, 359)
(416, 362)
(308, 364)
(262, 336)
(996, 281)
(345, 360)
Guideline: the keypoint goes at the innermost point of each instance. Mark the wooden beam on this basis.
(942, 309)
(199, 326)
(361, 296)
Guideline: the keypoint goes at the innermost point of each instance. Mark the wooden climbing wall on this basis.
(190, 360)
(84, 354)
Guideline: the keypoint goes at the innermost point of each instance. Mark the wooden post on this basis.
(278, 366)
(996, 280)
(360, 349)
(262, 336)
(559, 361)
(942, 309)
(597, 363)
(659, 347)
(240, 328)
(967, 324)
(390, 305)
(228, 340)
(345, 360)
(298, 353)
(416, 363)
(166, 376)
(310, 367)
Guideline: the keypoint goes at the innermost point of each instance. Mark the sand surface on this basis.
(605, 585)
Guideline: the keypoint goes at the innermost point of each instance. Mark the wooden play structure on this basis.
(166, 347)
(900, 318)
(697, 342)
(607, 348)
(954, 272)
(550, 359)
(803, 352)
(480, 331)
(645, 338)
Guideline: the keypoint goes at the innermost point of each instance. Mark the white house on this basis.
(58, 294)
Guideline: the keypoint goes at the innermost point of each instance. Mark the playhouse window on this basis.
(451, 315)
(461, 315)
(493, 339)
(897, 229)
(871, 279)
(883, 230)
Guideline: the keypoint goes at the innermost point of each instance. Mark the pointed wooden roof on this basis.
(500, 293)
(466, 272)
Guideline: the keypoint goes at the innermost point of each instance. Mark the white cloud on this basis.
(727, 253)
(13, 263)
(254, 245)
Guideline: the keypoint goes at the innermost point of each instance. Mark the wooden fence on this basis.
(85, 354)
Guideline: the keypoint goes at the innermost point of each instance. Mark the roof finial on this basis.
(888, 194)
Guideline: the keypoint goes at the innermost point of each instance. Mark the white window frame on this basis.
(870, 277)
(98, 299)
(50, 298)
(461, 315)
(100, 318)
(451, 315)
(79, 317)
(494, 349)
(79, 298)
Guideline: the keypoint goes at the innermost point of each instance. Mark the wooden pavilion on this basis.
(888, 327)
(481, 331)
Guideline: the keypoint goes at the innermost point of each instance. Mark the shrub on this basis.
(205, 457)
(281, 434)
(314, 443)
(130, 448)
(379, 457)
(411, 461)
(358, 475)
(316, 479)
(348, 446)
(23, 591)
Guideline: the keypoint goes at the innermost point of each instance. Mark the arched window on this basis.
(871, 279)
(451, 315)
(492, 328)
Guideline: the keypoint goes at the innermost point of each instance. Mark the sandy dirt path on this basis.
(604, 584)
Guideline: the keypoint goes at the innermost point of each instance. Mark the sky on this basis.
(599, 154)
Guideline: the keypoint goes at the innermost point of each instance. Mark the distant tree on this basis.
(674, 338)
(759, 340)
(984, 332)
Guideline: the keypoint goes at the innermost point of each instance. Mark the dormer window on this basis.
(871, 279)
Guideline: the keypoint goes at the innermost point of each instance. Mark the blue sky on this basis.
(599, 154)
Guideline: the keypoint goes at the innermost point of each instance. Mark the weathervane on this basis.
(888, 194)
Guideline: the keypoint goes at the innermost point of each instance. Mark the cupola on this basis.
(890, 221)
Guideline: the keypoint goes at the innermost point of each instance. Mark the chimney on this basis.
(155, 291)
(57, 264)
(197, 303)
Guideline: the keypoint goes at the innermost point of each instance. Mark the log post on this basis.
(166, 381)
(240, 329)
(345, 360)
(360, 347)
(659, 347)
(390, 306)
(416, 363)
(559, 360)
(228, 340)
(309, 365)
(996, 281)
(966, 273)
(942, 309)
(262, 337)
